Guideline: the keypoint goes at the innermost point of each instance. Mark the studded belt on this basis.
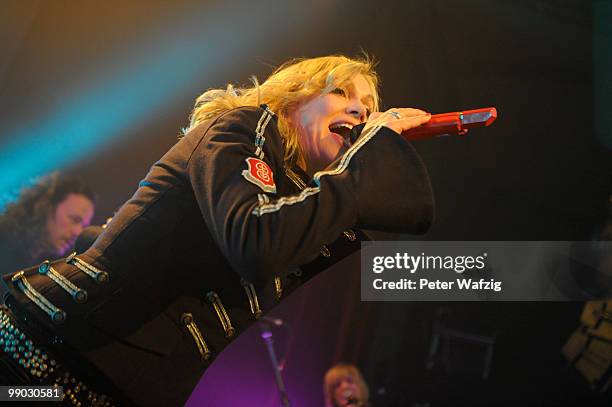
(32, 364)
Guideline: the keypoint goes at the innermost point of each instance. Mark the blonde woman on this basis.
(264, 189)
(344, 385)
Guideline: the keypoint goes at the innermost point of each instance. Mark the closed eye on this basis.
(76, 219)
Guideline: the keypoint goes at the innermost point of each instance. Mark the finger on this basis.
(405, 123)
(422, 118)
(413, 121)
(407, 111)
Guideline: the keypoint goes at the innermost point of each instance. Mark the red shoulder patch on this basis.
(260, 174)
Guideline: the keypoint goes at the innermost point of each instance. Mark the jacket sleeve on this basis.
(379, 183)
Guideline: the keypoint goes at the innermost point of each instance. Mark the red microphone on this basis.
(444, 124)
(452, 123)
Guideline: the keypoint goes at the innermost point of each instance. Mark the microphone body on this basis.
(444, 124)
(452, 123)
(352, 401)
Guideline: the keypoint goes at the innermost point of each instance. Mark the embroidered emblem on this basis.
(260, 174)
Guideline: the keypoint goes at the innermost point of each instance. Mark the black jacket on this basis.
(216, 218)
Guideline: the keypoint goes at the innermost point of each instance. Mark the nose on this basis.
(76, 230)
(345, 383)
(357, 109)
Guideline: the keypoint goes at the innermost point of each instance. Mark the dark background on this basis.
(102, 89)
(391, 343)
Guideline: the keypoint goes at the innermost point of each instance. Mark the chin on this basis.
(62, 252)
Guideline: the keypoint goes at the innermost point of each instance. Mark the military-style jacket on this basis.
(215, 235)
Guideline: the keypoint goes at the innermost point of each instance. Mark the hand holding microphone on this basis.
(416, 124)
(398, 119)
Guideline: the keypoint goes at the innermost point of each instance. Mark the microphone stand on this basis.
(266, 335)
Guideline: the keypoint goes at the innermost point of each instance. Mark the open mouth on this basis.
(343, 130)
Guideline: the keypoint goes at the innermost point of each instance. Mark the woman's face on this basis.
(346, 391)
(323, 121)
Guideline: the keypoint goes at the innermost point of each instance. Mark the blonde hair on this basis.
(333, 377)
(291, 84)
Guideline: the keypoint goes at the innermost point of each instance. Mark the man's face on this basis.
(67, 221)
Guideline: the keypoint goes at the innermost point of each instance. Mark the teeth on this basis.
(342, 129)
(348, 126)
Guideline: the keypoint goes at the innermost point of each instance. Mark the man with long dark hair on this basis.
(44, 221)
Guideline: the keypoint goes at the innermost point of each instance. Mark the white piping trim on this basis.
(263, 199)
(287, 200)
(259, 132)
(346, 158)
(262, 209)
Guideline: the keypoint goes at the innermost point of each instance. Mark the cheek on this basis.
(53, 230)
(62, 225)
(315, 112)
(309, 125)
